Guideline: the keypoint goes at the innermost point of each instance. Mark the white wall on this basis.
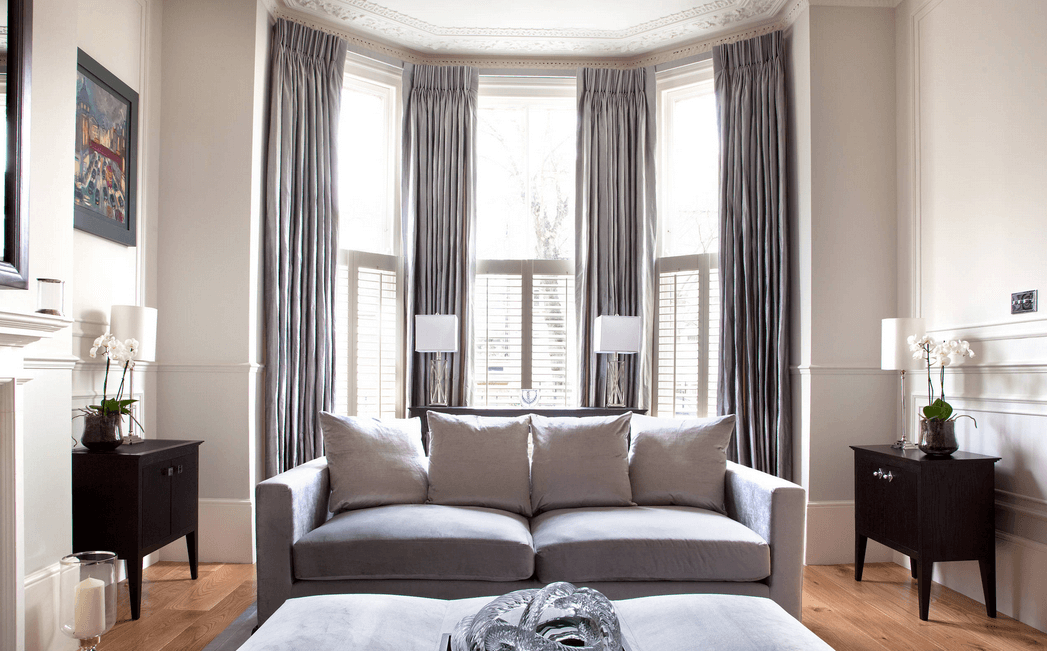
(842, 124)
(122, 36)
(214, 61)
(971, 142)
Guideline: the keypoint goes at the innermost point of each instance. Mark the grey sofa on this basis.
(449, 552)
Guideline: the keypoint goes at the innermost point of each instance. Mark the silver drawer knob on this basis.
(888, 476)
(878, 473)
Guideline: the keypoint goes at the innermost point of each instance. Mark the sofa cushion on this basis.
(646, 543)
(418, 541)
(679, 462)
(580, 462)
(374, 462)
(479, 461)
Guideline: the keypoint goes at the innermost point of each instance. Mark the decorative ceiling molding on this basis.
(368, 26)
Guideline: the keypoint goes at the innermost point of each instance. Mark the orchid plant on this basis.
(941, 354)
(123, 354)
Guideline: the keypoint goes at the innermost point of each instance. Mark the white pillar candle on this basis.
(89, 612)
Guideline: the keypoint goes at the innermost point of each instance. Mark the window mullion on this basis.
(526, 321)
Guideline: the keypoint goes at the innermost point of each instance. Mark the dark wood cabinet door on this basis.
(868, 497)
(156, 503)
(900, 507)
(184, 491)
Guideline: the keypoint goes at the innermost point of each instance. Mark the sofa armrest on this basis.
(288, 506)
(777, 510)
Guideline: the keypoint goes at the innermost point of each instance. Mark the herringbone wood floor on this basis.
(878, 614)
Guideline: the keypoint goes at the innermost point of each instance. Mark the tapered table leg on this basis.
(134, 585)
(860, 543)
(191, 544)
(912, 566)
(988, 568)
(923, 580)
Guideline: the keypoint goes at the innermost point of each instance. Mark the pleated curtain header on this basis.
(605, 80)
(462, 78)
(762, 49)
(308, 42)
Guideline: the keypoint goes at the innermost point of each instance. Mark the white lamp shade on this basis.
(135, 322)
(894, 345)
(617, 334)
(436, 333)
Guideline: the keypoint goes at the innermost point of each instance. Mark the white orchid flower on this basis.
(98, 341)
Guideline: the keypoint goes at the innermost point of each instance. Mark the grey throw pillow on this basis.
(479, 461)
(374, 462)
(580, 462)
(679, 462)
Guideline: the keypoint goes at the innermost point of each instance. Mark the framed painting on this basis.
(105, 178)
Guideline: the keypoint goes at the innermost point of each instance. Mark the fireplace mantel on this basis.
(17, 330)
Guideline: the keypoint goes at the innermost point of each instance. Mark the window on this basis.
(688, 309)
(367, 328)
(523, 329)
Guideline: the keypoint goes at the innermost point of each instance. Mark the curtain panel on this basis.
(614, 253)
(439, 213)
(300, 241)
(749, 79)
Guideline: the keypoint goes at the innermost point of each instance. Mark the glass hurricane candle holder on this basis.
(87, 596)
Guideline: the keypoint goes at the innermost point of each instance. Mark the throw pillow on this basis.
(679, 462)
(374, 462)
(580, 462)
(479, 461)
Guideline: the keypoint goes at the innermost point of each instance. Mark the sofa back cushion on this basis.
(580, 462)
(479, 461)
(679, 462)
(374, 462)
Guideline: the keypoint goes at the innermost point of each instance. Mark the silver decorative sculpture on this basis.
(559, 617)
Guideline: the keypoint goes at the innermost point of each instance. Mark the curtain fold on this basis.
(439, 213)
(614, 253)
(749, 78)
(300, 241)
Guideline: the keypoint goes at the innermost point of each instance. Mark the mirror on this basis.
(16, 29)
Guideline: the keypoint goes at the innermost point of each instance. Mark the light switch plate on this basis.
(1023, 302)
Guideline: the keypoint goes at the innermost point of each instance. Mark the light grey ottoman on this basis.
(395, 623)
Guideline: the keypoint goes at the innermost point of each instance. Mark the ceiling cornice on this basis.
(786, 12)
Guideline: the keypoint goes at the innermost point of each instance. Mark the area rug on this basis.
(236, 633)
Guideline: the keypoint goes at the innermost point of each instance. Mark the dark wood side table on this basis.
(931, 509)
(134, 500)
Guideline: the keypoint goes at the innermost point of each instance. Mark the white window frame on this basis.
(384, 80)
(507, 91)
(527, 270)
(677, 84)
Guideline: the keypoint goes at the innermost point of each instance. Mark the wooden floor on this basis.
(877, 614)
(179, 613)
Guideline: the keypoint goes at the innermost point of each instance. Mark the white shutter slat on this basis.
(376, 343)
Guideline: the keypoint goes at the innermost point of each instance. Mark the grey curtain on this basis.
(439, 212)
(301, 241)
(614, 255)
(749, 79)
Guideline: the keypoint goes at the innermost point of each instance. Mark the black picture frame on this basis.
(105, 185)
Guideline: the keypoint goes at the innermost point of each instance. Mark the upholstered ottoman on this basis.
(396, 623)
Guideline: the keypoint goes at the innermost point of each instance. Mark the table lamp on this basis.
(436, 333)
(616, 335)
(135, 322)
(896, 356)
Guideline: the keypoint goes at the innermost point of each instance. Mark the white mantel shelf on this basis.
(18, 329)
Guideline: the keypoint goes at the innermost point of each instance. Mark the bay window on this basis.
(688, 302)
(368, 331)
(523, 307)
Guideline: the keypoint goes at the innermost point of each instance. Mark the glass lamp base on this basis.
(438, 382)
(614, 394)
(903, 444)
(90, 644)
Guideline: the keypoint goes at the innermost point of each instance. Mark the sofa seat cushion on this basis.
(418, 541)
(646, 543)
